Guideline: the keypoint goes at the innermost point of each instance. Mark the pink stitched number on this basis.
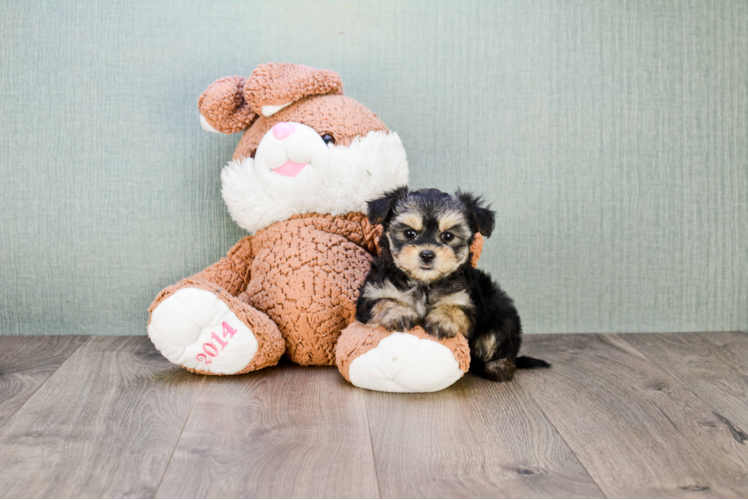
(212, 347)
(218, 339)
(228, 329)
(210, 350)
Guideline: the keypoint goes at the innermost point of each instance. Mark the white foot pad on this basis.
(196, 329)
(405, 363)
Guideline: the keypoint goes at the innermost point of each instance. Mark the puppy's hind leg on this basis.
(494, 356)
(500, 370)
(490, 358)
(503, 369)
(494, 350)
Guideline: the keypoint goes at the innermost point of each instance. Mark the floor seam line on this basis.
(43, 383)
(371, 443)
(677, 379)
(548, 418)
(179, 438)
(668, 372)
(724, 360)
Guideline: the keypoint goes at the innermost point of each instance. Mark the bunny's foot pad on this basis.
(413, 361)
(210, 332)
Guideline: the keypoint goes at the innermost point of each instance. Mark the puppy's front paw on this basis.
(440, 330)
(446, 322)
(401, 323)
(395, 317)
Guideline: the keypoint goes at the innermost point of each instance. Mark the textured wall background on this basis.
(612, 137)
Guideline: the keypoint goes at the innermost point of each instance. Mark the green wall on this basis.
(611, 137)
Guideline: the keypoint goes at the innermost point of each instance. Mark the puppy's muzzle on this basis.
(427, 257)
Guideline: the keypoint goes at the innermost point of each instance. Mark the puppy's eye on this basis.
(410, 234)
(328, 139)
(447, 236)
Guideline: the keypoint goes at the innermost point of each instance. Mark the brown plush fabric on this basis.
(306, 274)
(337, 115)
(280, 83)
(270, 345)
(358, 339)
(476, 248)
(232, 271)
(297, 281)
(301, 276)
(233, 103)
(224, 107)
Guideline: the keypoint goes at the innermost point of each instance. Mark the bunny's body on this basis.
(302, 172)
(309, 160)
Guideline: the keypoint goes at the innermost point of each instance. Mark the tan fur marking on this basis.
(449, 319)
(461, 298)
(409, 261)
(421, 307)
(390, 292)
(450, 220)
(392, 315)
(411, 219)
(446, 262)
(485, 346)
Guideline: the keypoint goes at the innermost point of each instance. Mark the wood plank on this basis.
(637, 430)
(474, 439)
(288, 431)
(26, 363)
(714, 366)
(104, 425)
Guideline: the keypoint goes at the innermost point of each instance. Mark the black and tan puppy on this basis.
(424, 277)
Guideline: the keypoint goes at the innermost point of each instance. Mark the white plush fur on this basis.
(338, 179)
(405, 363)
(271, 110)
(207, 126)
(184, 323)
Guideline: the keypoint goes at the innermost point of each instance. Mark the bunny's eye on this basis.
(328, 139)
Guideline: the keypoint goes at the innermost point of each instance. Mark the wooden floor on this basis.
(660, 415)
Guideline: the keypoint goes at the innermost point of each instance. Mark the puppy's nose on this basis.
(427, 256)
(282, 130)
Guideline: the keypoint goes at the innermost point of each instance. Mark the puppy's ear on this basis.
(381, 210)
(481, 218)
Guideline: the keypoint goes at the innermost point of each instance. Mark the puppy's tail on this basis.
(528, 362)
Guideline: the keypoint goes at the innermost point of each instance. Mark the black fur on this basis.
(482, 219)
(490, 312)
(381, 210)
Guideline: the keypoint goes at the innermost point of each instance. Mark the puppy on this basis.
(424, 277)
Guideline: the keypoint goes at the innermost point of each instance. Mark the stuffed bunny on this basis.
(307, 163)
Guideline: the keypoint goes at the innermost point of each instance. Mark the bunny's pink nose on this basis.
(282, 130)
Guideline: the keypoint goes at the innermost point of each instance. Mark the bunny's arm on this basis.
(231, 272)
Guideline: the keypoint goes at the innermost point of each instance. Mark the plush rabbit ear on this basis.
(223, 107)
(273, 86)
(233, 103)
